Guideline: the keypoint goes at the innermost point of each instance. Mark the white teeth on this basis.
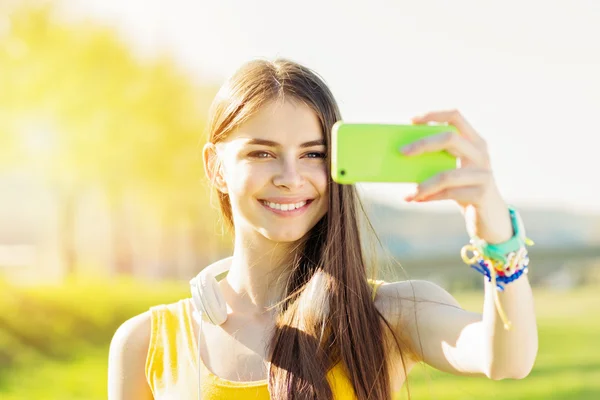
(285, 207)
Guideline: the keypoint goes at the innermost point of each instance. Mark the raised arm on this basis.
(444, 335)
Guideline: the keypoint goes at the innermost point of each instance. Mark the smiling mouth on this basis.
(286, 206)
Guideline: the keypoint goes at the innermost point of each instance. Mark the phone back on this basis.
(371, 153)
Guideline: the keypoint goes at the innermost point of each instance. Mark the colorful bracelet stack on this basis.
(516, 265)
(500, 263)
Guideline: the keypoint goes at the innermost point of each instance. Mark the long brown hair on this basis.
(328, 315)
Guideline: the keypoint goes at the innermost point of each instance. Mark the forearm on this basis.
(510, 353)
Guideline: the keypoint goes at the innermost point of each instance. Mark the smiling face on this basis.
(274, 172)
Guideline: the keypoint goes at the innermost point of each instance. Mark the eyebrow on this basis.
(270, 143)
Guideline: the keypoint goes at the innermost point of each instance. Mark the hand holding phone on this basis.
(371, 153)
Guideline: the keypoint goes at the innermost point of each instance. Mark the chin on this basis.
(283, 236)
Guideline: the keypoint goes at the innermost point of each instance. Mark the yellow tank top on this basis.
(172, 365)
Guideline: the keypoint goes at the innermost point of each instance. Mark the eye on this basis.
(316, 154)
(259, 154)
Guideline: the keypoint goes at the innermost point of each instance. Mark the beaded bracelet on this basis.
(499, 272)
(482, 267)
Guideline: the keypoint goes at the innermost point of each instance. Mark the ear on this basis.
(213, 167)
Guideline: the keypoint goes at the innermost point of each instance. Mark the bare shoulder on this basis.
(127, 359)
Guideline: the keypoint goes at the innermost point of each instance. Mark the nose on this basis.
(289, 175)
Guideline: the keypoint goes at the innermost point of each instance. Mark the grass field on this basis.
(54, 344)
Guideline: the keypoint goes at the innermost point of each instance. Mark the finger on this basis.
(449, 180)
(453, 117)
(462, 195)
(455, 144)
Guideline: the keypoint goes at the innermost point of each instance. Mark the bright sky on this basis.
(526, 74)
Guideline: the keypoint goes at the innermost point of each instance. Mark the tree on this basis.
(101, 117)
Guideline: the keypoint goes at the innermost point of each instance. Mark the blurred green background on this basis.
(104, 212)
(54, 343)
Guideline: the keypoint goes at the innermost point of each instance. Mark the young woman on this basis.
(303, 320)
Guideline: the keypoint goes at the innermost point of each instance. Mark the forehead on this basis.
(286, 122)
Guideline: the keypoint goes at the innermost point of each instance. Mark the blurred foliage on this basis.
(76, 100)
(60, 335)
(47, 328)
(78, 110)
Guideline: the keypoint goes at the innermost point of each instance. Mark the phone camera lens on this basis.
(342, 172)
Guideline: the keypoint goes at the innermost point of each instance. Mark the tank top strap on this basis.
(170, 364)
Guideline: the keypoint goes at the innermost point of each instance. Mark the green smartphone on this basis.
(371, 153)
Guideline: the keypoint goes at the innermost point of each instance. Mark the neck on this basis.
(258, 274)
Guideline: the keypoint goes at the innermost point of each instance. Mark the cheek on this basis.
(246, 178)
(320, 179)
